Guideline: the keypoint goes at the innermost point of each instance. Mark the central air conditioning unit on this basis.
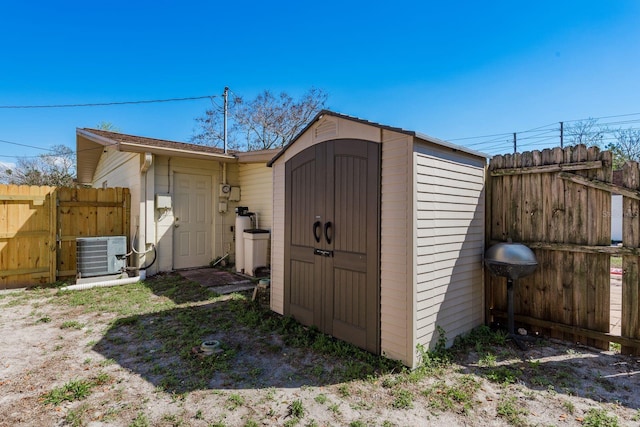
(101, 256)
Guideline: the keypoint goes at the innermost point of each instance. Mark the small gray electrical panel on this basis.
(163, 201)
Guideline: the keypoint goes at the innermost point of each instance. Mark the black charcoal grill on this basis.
(513, 261)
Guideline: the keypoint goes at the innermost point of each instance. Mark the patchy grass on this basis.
(457, 397)
(402, 399)
(597, 417)
(512, 411)
(69, 392)
(137, 364)
(71, 324)
(616, 262)
(296, 409)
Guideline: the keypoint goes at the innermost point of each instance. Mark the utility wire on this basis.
(602, 117)
(101, 104)
(23, 145)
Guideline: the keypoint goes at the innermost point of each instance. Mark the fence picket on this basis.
(31, 222)
(630, 321)
(569, 295)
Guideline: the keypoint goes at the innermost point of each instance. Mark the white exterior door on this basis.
(192, 226)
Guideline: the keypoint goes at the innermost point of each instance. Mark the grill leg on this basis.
(510, 321)
(510, 316)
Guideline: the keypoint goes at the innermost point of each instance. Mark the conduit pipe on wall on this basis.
(103, 284)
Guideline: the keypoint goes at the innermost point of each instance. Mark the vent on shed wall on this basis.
(101, 256)
(326, 129)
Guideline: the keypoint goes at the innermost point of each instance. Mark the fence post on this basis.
(630, 318)
(53, 235)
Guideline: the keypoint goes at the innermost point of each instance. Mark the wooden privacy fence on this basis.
(39, 226)
(558, 202)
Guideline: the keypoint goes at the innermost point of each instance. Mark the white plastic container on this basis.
(256, 250)
(242, 223)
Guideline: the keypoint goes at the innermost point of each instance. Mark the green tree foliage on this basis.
(104, 125)
(55, 169)
(266, 121)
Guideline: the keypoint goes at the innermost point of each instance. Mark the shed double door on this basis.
(332, 236)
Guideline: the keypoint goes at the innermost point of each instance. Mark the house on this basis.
(379, 235)
(183, 196)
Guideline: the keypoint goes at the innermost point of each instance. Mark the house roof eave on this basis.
(90, 145)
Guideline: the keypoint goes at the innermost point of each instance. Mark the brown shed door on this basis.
(332, 240)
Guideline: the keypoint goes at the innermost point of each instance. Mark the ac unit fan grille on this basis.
(101, 256)
(92, 258)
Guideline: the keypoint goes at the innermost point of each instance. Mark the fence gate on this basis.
(39, 227)
(558, 202)
(88, 212)
(27, 236)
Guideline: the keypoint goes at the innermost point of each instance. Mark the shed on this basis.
(179, 199)
(381, 236)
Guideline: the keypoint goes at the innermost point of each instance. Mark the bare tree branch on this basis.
(267, 121)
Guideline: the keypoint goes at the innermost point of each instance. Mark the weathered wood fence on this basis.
(558, 202)
(39, 225)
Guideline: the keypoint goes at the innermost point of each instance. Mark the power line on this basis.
(102, 104)
(23, 145)
(603, 117)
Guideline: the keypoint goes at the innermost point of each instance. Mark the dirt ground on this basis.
(138, 376)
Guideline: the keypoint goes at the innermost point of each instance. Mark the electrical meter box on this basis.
(234, 194)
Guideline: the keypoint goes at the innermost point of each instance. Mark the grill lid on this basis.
(512, 260)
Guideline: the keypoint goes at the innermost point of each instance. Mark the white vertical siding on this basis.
(396, 315)
(449, 230)
(256, 191)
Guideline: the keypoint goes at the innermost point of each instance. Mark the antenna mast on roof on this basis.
(226, 102)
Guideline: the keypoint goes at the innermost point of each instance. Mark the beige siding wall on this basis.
(118, 169)
(449, 235)
(277, 239)
(256, 191)
(325, 129)
(396, 280)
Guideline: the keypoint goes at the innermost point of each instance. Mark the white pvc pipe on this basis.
(104, 284)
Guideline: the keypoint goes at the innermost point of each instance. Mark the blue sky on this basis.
(448, 69)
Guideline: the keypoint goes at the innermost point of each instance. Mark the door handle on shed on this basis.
(327, 226)
(316, 231)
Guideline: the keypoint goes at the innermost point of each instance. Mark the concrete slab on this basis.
(219, 281)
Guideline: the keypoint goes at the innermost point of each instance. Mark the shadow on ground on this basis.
(211, 281)
(560, 368)
(260, 349)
